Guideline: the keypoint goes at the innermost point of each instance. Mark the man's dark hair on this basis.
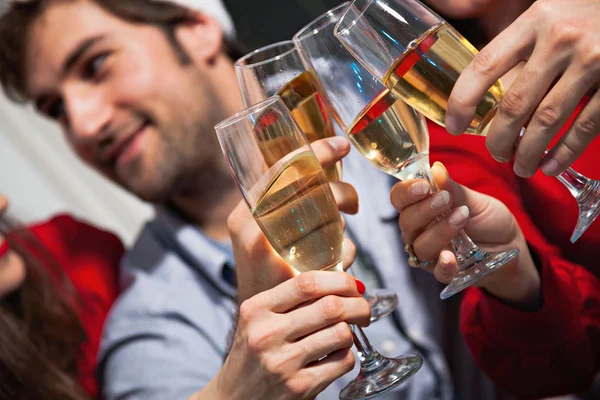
(16, 22)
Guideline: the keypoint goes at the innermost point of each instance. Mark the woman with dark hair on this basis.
(58, 280)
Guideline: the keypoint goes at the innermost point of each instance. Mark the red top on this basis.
(89, 257)
(557, 349)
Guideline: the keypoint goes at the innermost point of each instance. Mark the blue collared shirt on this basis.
(166, 336)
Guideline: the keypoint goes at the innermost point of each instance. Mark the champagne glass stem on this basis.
(368, 356)
(573, 181)
(586, 192)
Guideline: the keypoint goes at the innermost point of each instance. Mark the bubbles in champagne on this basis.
(425, 74)
(389, 133)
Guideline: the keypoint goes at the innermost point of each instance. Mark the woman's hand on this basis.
(485, 219)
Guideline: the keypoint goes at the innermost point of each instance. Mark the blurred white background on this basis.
(41, 177)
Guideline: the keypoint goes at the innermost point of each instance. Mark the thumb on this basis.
(331, 150)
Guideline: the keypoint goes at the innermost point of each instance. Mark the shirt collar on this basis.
(195, 248)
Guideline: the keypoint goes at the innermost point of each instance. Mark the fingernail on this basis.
(459, 216)
(453, 125)
(360, 286)
(550, 167)
(440, 200)
(419, 188)
(520, 171)
(338, 143)
(499, 159)
(444, 259)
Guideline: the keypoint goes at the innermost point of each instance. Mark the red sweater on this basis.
(555, 350)
(89, 257)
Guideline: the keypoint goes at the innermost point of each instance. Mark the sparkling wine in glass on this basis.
(419, 56)
(292, 202)
(387, 131)
(277, 69)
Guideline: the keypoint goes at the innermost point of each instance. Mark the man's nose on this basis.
(89, 112)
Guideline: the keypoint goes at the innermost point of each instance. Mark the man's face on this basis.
(128, 106)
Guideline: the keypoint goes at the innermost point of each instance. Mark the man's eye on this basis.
(94, 65)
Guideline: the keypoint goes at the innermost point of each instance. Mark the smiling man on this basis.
(137, 87)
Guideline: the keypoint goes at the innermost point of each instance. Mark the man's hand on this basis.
(560, 42)
(293, 341)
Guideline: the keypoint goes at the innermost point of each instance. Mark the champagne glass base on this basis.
(487, 263)
(383, 375)
(382, 301)
(589, 208)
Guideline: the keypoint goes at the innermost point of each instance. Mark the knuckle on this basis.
(586, 128)
(525, 154)
(275, 366)
(297, 387)
(349, 281)
(261, 339)
(233, 224)
(547, 116)
(513, 104)
(543, 10)
(568, 150)
(349, 250)
(238, 220)
(457, 102)
(482, 62)
(408, 237)
(564, 35)
(348, 362)
(332, 308)
(343, 334)
(306, 284)
(249, 309)
(404, 222)
(366, 308)
(589, 55)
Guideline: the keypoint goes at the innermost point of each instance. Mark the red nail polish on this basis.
(360, 286)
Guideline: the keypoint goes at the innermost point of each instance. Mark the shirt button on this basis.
(388, 347)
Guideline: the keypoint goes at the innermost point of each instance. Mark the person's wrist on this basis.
(214, 390)
(520, 285)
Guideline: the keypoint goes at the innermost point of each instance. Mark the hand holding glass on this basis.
(292, 203)
(388, 132)
(277, 69)
(419, 57)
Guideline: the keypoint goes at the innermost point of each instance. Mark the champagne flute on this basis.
(419, 56)
(278, 69)
(293, 204)
(387, 131)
